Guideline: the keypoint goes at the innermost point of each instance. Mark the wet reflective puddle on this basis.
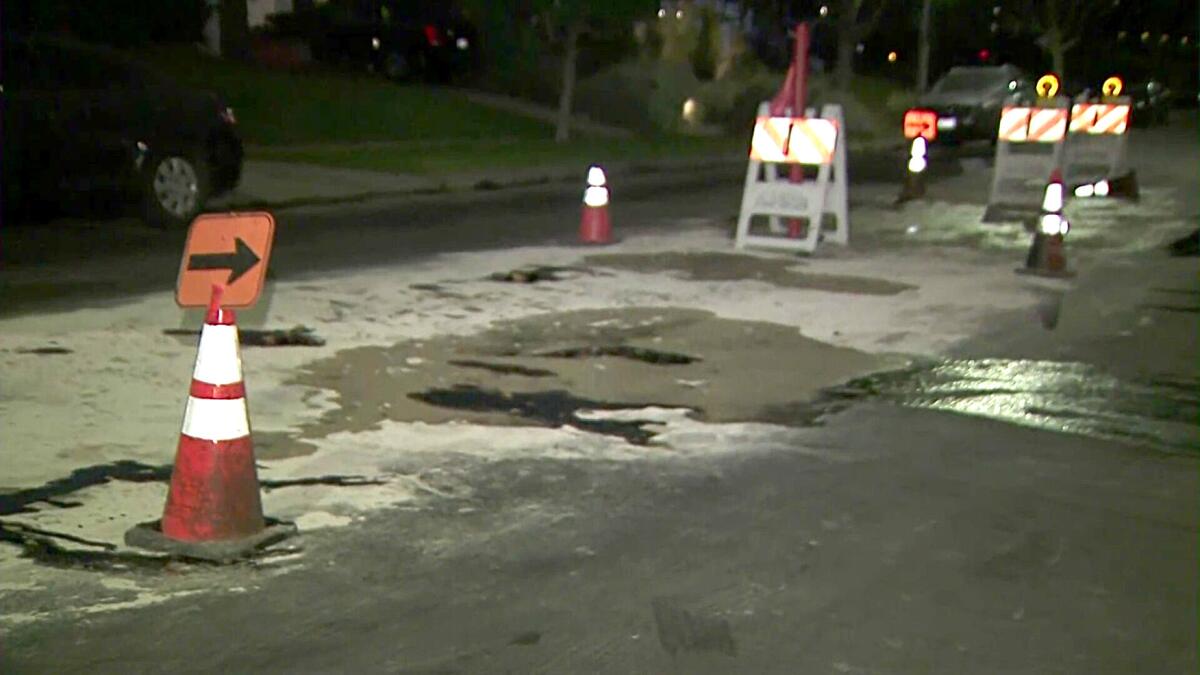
(1066, 397)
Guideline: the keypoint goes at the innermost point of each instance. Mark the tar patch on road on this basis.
(67, 550)
(782, 272)
(545, 408)
(543, 369)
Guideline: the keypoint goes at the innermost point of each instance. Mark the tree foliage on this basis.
(564, 21)
(1058, 25)
(855, 21)
(120, 23)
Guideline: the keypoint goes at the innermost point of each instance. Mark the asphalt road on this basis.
(73, 263)
(77, 262)
(895, 541)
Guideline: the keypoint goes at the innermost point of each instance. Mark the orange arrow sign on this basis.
(230, 250)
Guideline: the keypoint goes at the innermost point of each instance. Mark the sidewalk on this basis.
(284, 184)
(287, 184)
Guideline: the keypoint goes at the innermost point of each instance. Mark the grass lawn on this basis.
(455, 156)
(352, 120)
(281, 108)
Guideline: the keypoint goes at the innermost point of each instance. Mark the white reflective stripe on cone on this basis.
(1053, 201)
(216, 419)
(1052, 223)
(217, 360)
(595, 196)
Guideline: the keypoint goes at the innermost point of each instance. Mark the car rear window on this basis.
(972, 80)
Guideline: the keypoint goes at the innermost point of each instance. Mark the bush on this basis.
(638, 95)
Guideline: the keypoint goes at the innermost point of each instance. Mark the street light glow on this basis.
(892, 56)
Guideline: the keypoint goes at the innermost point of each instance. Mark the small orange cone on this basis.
(1047, 256)
(213, 508)
(594, 225)
(914, 177)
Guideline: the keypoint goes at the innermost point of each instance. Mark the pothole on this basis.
(642, 354)
(45, 351)
(297, 336)
(533, 274)
(546, 408)
(502, 368)
(725, 370)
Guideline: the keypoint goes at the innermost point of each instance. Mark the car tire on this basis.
(175, 187)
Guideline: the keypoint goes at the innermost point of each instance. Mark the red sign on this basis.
(225, 249)
(920, 123)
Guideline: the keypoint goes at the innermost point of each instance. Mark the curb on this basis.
(496, 181)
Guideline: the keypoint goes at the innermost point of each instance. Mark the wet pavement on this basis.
(1076, 398)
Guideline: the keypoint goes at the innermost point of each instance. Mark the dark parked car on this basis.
(81, 123)
(426, 40)
(968, 100)
(1151, 103)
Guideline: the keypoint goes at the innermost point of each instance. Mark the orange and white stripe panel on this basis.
(1100, 118)
(1033, 125)
(793, 140)
(1082, 116)
(1048, 125)
(1014, 124)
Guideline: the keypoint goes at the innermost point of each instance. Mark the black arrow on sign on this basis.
(238, 263)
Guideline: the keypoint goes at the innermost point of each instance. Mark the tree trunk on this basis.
(846, 44)
(1058, 57)
(562, 130)
(924, 47)
(235, 33)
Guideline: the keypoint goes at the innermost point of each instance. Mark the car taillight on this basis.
(433, 35)
(226, 115)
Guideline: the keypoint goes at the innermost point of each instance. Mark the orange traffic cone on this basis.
(213, 508)
(1046, 254)
(594, 225)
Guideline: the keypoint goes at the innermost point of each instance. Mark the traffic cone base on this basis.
(150, 537)
(594, 225)
(913, 187)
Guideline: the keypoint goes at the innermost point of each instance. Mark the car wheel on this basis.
(176, 186)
